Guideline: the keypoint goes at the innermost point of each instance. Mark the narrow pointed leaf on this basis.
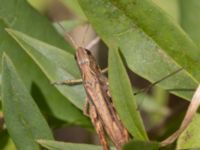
(152, 43)
(23, 119)
(47, 97)
(123, 97)
(57, 65)
(54, 145)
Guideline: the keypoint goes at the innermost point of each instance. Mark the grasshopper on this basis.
(101, 109)
(99, 106)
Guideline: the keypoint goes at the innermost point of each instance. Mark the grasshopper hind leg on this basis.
(99, 127)
(90, 111)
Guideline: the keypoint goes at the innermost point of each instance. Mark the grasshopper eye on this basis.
(88, 52)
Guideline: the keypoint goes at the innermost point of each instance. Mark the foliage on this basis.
(150, 38)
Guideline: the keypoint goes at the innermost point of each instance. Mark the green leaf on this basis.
(190, 18)
(123, 97)
(47, 97)
(57, 65)
(54, 145)
(21, 16)
(23, 119)
(32, 23)
(138, 145)
(153, 45)
(189, 138)
(170, 6)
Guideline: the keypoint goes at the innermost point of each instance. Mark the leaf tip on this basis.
(11, 32)
(40, 141)
(7, 63)
(8, 30)
(5, 58)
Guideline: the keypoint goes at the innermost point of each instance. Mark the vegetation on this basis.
(150, 38)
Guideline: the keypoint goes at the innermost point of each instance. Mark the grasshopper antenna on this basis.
(69, 37)
(84, 35)
(92, 43)
(146, 89)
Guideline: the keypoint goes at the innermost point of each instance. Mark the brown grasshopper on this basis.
(99, 106)
(101, 109)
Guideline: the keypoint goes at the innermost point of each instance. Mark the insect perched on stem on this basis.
(99, 106)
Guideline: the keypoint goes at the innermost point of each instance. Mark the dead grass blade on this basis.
(194, 104)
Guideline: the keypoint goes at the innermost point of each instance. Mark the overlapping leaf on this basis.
(23, 119)
(32, 23)
(123, 97)
(152, 44)
(48, 98)
(54, 145)
(55, 63)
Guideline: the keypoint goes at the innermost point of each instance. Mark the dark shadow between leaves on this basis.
(39, 98)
